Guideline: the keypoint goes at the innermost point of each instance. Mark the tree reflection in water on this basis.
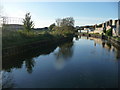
(107, 45)
(64, 53)
(26, 58)
(29, 63)
(118, 54)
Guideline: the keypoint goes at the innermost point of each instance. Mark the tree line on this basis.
(60, 24)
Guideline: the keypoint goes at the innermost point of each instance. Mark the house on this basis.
(118, 28)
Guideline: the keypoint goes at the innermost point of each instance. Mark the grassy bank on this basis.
(117, 38)
(22, 37)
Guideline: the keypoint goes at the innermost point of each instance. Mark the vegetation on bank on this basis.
(63, 28)
(95, 34)
(117, 38)
(27, 22)
(20, 37)
(108, 32)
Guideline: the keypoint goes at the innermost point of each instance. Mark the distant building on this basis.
(13, 27)
(111, 24)
(118, 28)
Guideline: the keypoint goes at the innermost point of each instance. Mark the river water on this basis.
(79, 63)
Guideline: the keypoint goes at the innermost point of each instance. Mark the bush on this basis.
(109, 32)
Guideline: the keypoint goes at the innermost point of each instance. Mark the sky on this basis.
(45, 13)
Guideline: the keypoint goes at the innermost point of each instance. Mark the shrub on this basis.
(109, 32)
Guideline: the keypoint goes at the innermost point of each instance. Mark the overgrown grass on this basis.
(117, 38)
(20, 37)
(95, 34)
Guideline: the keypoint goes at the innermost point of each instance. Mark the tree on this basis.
(51, 26)
(104, 30)
(28, 23)
(58, 22)
(69, 21)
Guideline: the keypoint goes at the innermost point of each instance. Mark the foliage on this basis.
(28, 23)
(109, 32)
(65, 25)
(100, 25)
(69, 21)
(64, 28)
(21, 37)
(51, 26)
(117, 38)
(104, 30)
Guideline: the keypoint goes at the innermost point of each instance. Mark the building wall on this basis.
(118, 28)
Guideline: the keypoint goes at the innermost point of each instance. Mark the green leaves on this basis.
(109, 32)
(28, 23)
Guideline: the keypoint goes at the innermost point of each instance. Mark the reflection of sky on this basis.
(62, 54)
(7, 80)
(59, 63)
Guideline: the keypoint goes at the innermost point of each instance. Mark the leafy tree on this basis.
(69, 21)
(28, 23)
(51, 26)
(65, 24)
(58, 22)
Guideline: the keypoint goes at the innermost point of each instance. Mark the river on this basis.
(83, 62)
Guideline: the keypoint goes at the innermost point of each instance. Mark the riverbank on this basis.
(20, 37)
(112, 40)
(19, 42)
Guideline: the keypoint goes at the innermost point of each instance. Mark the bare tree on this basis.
(58, 22)
(69, 21)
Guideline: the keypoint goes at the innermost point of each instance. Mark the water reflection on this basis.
(29, 63)
(88, 69)
(107, 45)
(26, 58)
(7, 80)
(117, 54)
(77, 37)
(103, 44)
(64, 53)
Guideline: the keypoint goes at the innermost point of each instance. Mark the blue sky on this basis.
(45, 13)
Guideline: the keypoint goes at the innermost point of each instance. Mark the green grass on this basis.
(21, 37)
(95, 34)
(117, 38)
